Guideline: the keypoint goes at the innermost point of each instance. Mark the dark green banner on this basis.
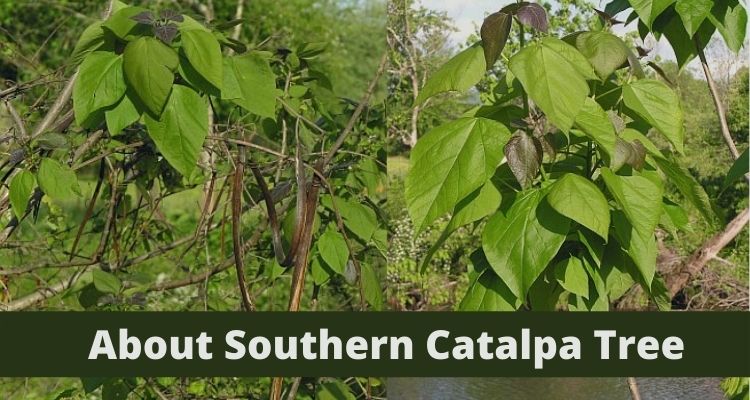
(375, 344)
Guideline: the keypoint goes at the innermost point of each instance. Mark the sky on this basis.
(467, 13)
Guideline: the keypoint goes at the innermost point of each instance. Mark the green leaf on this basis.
(572, 276)
(106, 282)
(121, 116)
(659, 105)
(737, 171)
(57, 181)
(494, 33)
(149, 68)
(250, 83)
(458, 74)
(371, 287)
(605, 51)
(100, 84)
(333, 250)
(595, 123)
(639, 197)
(358, 218)
(580, 200)
(674, 217)
(91, 39)
(693, 13)
(487, 292)
(555, 85)
(520, 244)
(641, 201)
(572, 55)
(21, 188)
(648, 10)
(183, 127)
(91, 384)
(334, 390)
(115, 390)
(122, 24)
(450, 162)
(524, 155)
(631, 135)
(479, 204)
(732, 25)
(688, 186)
(319, 271)
(204, 54)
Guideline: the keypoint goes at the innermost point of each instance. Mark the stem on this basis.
(522, 42)
(717, 101)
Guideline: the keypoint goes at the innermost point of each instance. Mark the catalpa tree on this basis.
(557, 165)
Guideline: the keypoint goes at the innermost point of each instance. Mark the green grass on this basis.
(398, 166)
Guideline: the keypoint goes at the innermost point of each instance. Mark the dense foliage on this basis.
(195, 170)
(558, 166)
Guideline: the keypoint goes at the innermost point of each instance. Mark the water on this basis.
(551, 389)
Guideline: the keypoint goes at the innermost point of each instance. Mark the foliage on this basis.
(582, 184)
(131, 193)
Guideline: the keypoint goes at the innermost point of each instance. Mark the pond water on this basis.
(552, 388)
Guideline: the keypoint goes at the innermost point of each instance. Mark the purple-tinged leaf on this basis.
(146, 18)
(166, 33)
(533, 15)
(171, 15)
(494, 32)
(524, 156)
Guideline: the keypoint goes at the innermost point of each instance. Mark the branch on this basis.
(717, 102)
(693, 266)
(355, 116)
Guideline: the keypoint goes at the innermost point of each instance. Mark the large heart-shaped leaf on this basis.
(648, 10)
(100, 84)
(693, 13)
(91, 39)
(458, 74)
(659, 105)
(639, 197)
(487, 292)
(479, 204)
(183, 127)
(333, 250)
(58, 181)
(595, 123)
(122, 24)
(250, 83)
(204, 54)
(580, 200)
(494, 32)
(555, 84)
(450, 162)
(122, 115)
(605, 51)
(572, 276)
(149, 68)
(520, 244)
(731, 23)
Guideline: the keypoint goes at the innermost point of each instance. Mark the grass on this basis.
(398, 166)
